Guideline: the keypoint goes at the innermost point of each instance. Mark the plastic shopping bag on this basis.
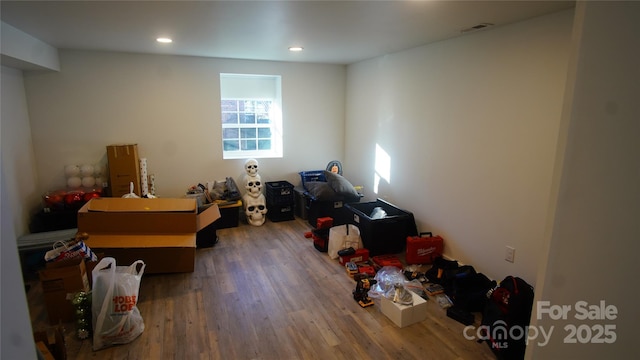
(343, 237)
(74, 248)
(116, 318)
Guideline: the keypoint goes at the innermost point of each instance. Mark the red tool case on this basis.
(387, 260)
(360, 255)
(422, 249)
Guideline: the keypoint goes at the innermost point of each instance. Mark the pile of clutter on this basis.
(218, 191)
(84, 182)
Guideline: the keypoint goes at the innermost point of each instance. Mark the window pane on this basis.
(248, 118)
(230, 133)
(263, 119)
(248, 144)
(248, 133)
(264, 144)
(262, 106)
(229, 105)
(229, 118)
(264, 133)
(231, 145)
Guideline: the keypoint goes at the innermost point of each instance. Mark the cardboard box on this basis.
(124, 168)
(161, 232)
(59, 282)
(405, 315)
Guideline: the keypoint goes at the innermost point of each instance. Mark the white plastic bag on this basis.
(343, 237)
(116, 318)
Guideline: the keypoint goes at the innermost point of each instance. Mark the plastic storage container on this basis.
(385, 235)
(313, 175)
(279, 193)
(278, 213)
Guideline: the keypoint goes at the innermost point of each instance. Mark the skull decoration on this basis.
(255, 204)
(255, 208)
(253, 187)
(251, 167)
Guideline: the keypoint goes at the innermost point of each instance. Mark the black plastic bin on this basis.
(387, 235)
(279, 193)
(277, 213)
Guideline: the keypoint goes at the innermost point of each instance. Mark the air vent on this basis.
(476, 27)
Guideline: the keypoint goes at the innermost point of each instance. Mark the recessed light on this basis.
(164, 40)
(296, 48)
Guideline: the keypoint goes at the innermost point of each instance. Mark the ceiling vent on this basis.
(476, 27)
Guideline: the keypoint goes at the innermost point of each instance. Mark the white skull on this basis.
(248, 178)
(253, 186)
(251, 167)
(255, 208)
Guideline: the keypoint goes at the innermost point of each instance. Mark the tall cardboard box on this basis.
(60, 281)
(124, 168)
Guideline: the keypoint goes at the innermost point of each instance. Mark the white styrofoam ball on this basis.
(86, 170)
(98, 169)
(72, 170)
(88, 181)
(99, 181)
(74, 182)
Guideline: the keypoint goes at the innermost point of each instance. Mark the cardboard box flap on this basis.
(208, 216)
(141, 205)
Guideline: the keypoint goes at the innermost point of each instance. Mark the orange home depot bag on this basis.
(422, 249)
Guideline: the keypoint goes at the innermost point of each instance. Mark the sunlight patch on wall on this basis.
(382, 168)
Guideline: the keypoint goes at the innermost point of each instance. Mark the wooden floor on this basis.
(266, 293)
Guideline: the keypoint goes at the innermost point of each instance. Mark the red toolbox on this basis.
(424, 248)
(324, 222)
(367, 269)
(387, 260)
(360, 255)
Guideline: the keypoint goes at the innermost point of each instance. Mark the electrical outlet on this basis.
(510, 254)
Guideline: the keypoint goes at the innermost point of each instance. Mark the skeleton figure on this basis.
(255, 208)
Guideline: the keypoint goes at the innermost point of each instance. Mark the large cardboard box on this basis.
(405, 315)
(124, 168)
(161, 232)
(60, 281)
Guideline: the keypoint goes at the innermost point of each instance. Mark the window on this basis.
(251, 116)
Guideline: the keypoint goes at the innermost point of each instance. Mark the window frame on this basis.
(274, 113)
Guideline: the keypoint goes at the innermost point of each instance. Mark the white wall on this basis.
(18, 158)
(592, 252)
(471, 126)
(15, 330)
(169, 106)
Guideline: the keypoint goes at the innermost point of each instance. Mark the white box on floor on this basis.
(405, 315)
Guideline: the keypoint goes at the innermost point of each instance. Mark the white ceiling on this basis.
(337, 32)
